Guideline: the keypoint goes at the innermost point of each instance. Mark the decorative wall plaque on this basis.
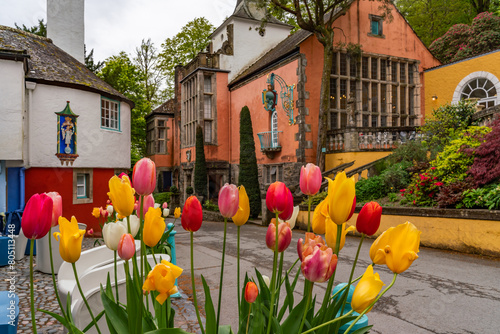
(66, 135)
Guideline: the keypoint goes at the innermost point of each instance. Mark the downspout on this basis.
(230, 136)
(30, 86)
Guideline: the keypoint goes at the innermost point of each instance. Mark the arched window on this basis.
(482, 89)
(274, 129)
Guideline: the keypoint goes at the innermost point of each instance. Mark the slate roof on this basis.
(242, 11)
(50, 65)
(166, 108)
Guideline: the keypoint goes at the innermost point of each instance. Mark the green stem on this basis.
(32, 292)
(54, 276)
(143, 249)
(116, 280)
(194, 287)
(154, 256)
(84, 299)
(221, 275)
(343, 289)
(238, 267)
(329, 323)
(309, 214)
(248, 320)
(278, 282)
(308, 303)
(373, 303)
(273, 279)
(330, 282)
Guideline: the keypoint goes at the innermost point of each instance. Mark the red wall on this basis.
(40, 180)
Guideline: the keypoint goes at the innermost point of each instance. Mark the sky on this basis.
(112, 26)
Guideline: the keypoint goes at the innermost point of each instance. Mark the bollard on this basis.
(171, 241)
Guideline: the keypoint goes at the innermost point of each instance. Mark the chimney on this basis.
(65, 26)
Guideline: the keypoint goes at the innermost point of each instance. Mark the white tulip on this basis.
(157, 205)
(293, 218)
(109, 208)
(266, 280)
(135, 224)
(111, 233)
(166, 212)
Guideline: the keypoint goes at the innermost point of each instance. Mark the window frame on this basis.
(118, 113)
(89, 188)
(379, 20)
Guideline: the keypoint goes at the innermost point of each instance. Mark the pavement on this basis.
(442, 292)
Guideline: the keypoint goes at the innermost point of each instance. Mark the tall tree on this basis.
(193, 38)
(200, 165)
(317, 16)
(249, 173)
(147, 61)
(89, 61)
(482, 5)
(40, 29)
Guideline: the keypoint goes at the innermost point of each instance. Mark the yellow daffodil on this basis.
(331, 233)
(96, 212)
(177, 212)
(366, 291)
(377, 249)
(241, 216)
(70, 239)
(154, 227)
(121, 195)
(341, 193)
(319, 217)
(402, 247)
(162, 279)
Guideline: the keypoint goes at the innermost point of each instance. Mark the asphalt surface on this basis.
(442, 292)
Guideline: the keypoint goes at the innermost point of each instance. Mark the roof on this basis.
(285, 48)
(461, 60)
(48, 64)
(166, 108)
(242, 10)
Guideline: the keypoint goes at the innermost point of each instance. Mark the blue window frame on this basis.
(110, 114)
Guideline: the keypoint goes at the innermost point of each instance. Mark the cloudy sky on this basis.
(112, 26)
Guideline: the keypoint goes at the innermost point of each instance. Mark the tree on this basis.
(40, 29)
(200, 165)
(317, 16)
(147, 61)
(89, 61)
(482, 5)
(249, 174)
(193, 38)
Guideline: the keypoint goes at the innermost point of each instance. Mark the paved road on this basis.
(443, 292)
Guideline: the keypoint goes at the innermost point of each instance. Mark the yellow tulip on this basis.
(96, 212)
(366, 291)
(319, 217)
(331, 233)
(241, 216)
(121, 195)
(402, 247)
(70, 239)
(154, 227)
(341, 193)
(177, 212)
(377, 249)
(162, 279)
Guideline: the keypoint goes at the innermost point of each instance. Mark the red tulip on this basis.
(37, 216)
(192, 214)
(287, 213)
(228, 200)
(126, 247)
(369, 217)
(56, 207)
(284, 236)
(144, 176)
(310, 179)
(277, 199)
(352, 208)
(251, 292)
(318, 260)
(149, 202)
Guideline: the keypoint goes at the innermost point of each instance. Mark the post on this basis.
(171, 241)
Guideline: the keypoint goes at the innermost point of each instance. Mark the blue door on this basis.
(15, 188)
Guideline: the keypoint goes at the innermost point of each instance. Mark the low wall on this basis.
(467, 231)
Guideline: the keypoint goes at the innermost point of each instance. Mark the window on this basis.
(189, 109)
(481, 89)
(82, 185)
(375, 26)
(273, 173)
(110, 114)
(208, 131)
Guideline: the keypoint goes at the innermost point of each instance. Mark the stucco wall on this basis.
(11, 110)
(96, 147)
(361, 158)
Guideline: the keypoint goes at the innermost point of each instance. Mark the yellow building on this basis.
(471, 78)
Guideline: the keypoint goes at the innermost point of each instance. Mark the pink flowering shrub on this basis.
(423, 189)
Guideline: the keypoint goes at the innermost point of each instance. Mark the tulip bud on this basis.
(287, 213)
(284, 236)
(111, 233)
(126, 247)
(154, 227)
(266, 280)
(369, 217)
(135, 224)
(341, 194)
(103, 213)
(90, 232)
(243, 213)
(109, 209)
(177, 212)
(164, 205)
(251, 292)
(228, 200)
(277, 199)
(56, 207)
(96, 212)
(149, 202)
(310, 179)
(166, 212)
(366, 291)
(37, 216)
(144, 176)
(192, 215)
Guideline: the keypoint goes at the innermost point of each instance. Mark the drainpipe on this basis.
(30, 86)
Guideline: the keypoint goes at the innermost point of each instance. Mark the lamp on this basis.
(434, 97)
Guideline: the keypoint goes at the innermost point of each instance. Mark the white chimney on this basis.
(65, 26)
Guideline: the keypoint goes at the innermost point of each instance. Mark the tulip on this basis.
(166, 212)
(177, 212)
(56, 207)
(331, 234)
(369, 217)
(228, 200)
(266, 280)
(122, 195)
(149, 202)
(90, 232)
(157, 205)
(144, 176)
(284, 236)
(111, 233)
(287, 213)
(96, 212)
(243, 213)
(154, 227)
(164, 205)
(103, 213)
(109, 209)
(293, 218)
(377, 249)
(310, 179)
(366, 291)
(318, 260)
(319, 217)
(251, 292)
(341, 194)
(135, 224)
(37, 216)
(162, 279)
(70, 239)
(126, 247)
(125, 176)
(192, 216)
(277, 199)
(402, 247)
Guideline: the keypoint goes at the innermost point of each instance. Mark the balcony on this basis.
(270, 142)
(204, 60)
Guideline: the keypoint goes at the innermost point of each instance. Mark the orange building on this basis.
(377, 96)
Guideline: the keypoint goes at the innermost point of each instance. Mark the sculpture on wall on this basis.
(270, 96)
(66, 135)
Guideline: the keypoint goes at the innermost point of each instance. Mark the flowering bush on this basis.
(423, 189)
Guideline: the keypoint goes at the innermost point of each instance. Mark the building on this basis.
(377, 95)
(62, 128)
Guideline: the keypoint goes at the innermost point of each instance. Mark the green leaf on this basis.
(362, 330)
(97, 318)
(292, 323)
(211, 324)
(168, 331)
(116, 315)
(226, 329)
(134, 302)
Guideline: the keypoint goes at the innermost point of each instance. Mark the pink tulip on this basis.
(318, 260)
(277, 199)
(164, 205)
(56, 207)
(144, 176)
(104, 213)
(284, 236)
(149, 202)
(229, 199)
(310, 179)
(287, 213)
(369, 217)
(37, 216)
(126, 247)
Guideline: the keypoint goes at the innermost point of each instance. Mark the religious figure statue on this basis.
(67, 130)
(351, 109)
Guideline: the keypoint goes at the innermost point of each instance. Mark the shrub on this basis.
(316, 199)
(162, 197)
(486, 197)
(189, 190)
(174, 190)
(410, 151)
(210, 206)
(370, 189)
(451, 196)
(423, 189)
(200, 165)
(396, 176)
